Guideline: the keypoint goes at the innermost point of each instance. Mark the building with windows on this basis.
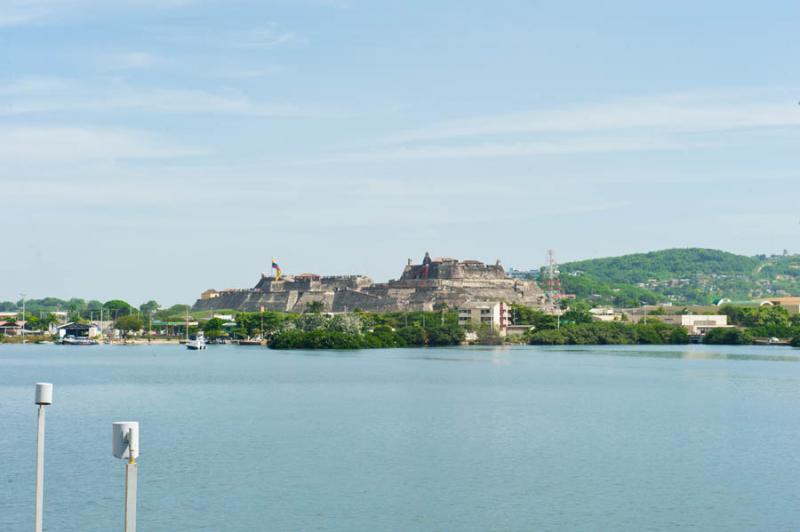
(495, 315)
(696, 324)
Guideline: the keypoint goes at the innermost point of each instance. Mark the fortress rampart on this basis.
(434, 282)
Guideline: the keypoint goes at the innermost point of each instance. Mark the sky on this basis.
(150, 149)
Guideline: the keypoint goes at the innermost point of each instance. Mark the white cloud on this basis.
(667, 122)
(16, 19)
(34, 146)
(691, 112)
(515, 149)
(131, 60)
(47, 95)
(267, 37)
(22, 12)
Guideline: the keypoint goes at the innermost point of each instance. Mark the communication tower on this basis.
(553, 282)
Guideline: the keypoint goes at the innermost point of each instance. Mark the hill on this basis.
(682, 276)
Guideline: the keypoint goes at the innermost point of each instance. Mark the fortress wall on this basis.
(348, 300)
(340, 282)
(304, 298)
(450, 282)
(268, 284)
(454, 270)
(230, 300)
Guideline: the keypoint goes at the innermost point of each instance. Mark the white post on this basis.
(131, 480)
(125, 444)
(44, 396)
(23, 317)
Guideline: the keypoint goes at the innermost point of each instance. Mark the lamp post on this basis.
(44, 396)
(23, 317)
(125, 444)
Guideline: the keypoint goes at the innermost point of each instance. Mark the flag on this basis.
(277, 270)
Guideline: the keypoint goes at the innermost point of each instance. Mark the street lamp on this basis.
(23, 317)
(44, 397)
(125, 444)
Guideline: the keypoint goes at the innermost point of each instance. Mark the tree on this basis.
(128, 324)
(528, 316)
(346, 323)
(488, 335)
(413, 335)
(447, 334)
(315, 307)
(214, 328)
(679, 336)
(578, 313)
(312, 321)
(149, 308)
(727, 336)
(117, 308)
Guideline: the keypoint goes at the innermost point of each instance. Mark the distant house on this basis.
(78, 330)
(791, 304)
(209, 294)
(605, 314)
(10, 328)
(518, 330)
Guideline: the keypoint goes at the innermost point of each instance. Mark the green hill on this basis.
(683, 276)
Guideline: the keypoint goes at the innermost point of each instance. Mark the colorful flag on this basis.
(277, 270)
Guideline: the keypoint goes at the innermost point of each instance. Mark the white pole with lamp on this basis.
(125, 445)
(44, 397)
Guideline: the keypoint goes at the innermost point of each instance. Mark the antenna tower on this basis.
(553, 282)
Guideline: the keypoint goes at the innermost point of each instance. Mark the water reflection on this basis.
(506, 355)
(681, 352)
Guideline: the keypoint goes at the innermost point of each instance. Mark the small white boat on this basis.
(196, 341)
(72, 340)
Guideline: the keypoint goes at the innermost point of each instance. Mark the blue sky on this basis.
(155, 148)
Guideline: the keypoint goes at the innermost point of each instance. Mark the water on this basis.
(245, 439)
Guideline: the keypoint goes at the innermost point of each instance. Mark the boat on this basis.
(79, 340)
(250, 342)
(771, 341)
(196, 341)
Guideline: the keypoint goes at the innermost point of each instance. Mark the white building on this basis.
(79, 330)
(605, 314)
(496, 315)
(697, 324)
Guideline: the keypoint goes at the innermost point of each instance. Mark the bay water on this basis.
(484, 438)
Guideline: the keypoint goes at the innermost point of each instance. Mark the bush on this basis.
(728, 336)
(611, 333)
(381, 336)
(679, 335)
(549, 337)
(448, 334)
(413, 335)
(318, 339)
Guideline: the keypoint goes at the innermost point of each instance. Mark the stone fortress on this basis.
(426, 286)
